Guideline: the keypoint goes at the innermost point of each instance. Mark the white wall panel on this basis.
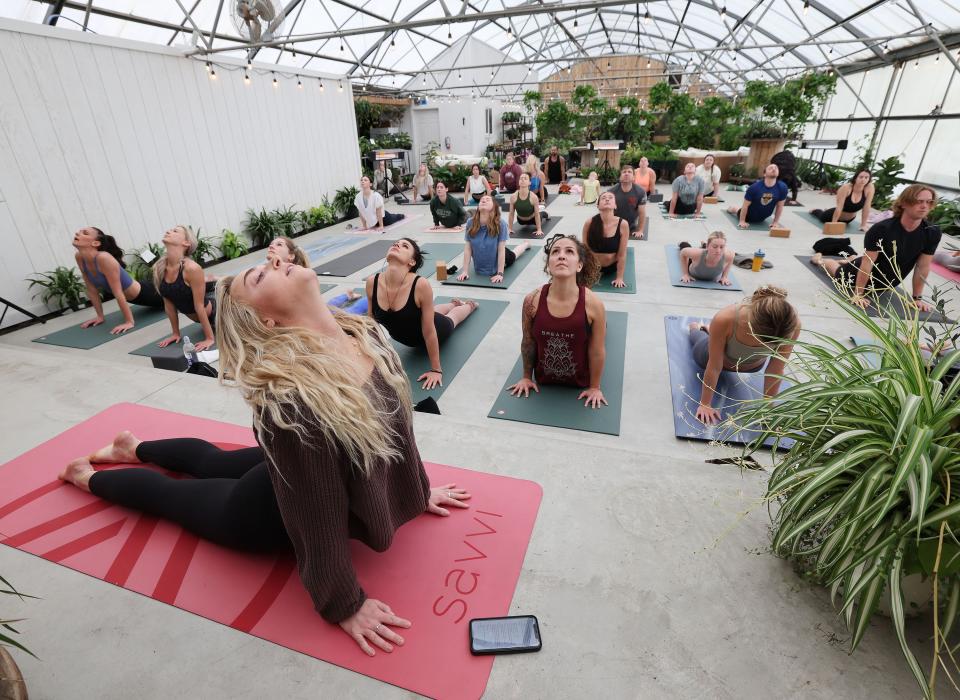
(135, 138)
(921, 89)
(906, 140)
(942, 162)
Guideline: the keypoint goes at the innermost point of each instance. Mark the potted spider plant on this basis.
(12, 685)
(869, 491)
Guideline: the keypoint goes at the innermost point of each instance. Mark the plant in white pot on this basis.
(12, 686)
(869, 492)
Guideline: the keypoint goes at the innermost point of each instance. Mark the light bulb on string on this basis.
(806, 6)
(213, 74)
(299, 84)
(916, 64)
(449, 32)
(392, 42)
(321, 85)
(723, 12)
(208, 66)
(574, 22)
(646, 17)
(249, 65)
(246, 78)
(341, 46)
(339, 86)
(275, 83)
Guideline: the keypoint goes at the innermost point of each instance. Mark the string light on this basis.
(648, 63)
(208, 66)
(574, 22)
(459, 75)
(646, 17)
(392, 42)
(341, 45)
(424, 81)
(246, 77)
(213, 74)
(249, 65)
(723, 12)
(321, 85)
(916, 65)
(275, 83)
(299, 84)
(806, 6)
(449, 33)
(339, 86)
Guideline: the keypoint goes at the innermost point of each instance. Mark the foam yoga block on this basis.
(355, 260)
(890, 301)
(686, 377)
(455, 352)
(605, 284)
(546, 225)
(558, 406)
(675, 271)
(89, 338)
(509, 274)
(758, 226)
(261, 594)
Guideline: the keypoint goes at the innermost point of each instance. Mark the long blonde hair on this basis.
(493, 227)
(299, 257)
(295, 379)
(160, 266)
(532, 165)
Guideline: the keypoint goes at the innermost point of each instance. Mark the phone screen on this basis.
(495, 634)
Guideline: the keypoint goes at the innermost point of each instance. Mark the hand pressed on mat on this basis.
(92, 322)
(369, 624)
(594, 397)
(447, 495)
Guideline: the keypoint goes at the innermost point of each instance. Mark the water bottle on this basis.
(190, 351)
(757, 261)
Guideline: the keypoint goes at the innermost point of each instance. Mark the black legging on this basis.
(230, 500)
(681, 208)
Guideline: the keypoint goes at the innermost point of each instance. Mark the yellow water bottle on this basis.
(758, 260)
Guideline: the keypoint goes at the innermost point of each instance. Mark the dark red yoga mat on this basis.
(439, 573)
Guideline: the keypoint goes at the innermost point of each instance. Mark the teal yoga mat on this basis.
(455, 352)
(759, 226)
(811, 219)
(605, 284)
(679, 217)
(448, 252)
(546, 225)
(89, 338)
(676, 272)
(509, 275)
(558, 406)
(194, 330)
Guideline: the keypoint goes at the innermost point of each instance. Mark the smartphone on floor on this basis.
(515, 634)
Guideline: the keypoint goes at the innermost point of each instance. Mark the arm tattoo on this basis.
(528, 346)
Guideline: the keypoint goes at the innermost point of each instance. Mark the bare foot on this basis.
(353, 296)
(78, 473)
(696, 326)
(817, 259)
(123, 450)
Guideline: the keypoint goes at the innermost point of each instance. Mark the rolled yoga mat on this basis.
(733, 388)
(891, 301)
(664, 208)
(261, 594)
(558, 406)
(676, 272)
(758, 226)
(356, 260)
(605, 284)
(455, 352)
(509, 274)
(89, 338)
(546, 225)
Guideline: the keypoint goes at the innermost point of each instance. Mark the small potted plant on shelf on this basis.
(62, 286)
(867, 497)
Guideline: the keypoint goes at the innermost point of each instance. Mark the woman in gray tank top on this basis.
(710, 263)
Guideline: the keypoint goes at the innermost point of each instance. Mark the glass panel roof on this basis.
(385, 42)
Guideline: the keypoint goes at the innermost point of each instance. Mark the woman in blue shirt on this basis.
(486, 243)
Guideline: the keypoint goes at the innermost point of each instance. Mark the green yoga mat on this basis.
(88, 338)
(558, 406)
(448, 252)
(810, 218)
(509, 275)
(605, 284)
(679, 217)
(455, 352)
(546, 225)
(759, 226)
(194, 330)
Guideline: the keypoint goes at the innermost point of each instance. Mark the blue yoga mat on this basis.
(327, 245)
(733, 388)
(673, 266)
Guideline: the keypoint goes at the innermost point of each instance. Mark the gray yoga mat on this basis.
(810, 218)
(509, 274)
(448, 252)
(663, 209)
(758, 226)
(733, 388)
(327, 246)
(455, 352)
(558, 406)
(605, 283)
(646, 231)
(546, 225)
(356, 260)
(89, 338)
(891, 300)
(676, 272)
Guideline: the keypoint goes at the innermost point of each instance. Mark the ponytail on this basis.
(771, 315)
(108, 244)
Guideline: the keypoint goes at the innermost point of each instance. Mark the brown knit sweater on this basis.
(325, 501)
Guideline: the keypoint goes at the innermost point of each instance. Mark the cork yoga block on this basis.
(710, 200)
(834, 229)
(780, 232)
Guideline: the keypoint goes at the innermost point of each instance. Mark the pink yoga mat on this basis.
(439, 573)
(944, 272)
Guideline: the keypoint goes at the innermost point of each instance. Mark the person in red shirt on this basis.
(509, 175)
(564, 325)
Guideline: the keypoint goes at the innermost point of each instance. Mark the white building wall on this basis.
(134, 138)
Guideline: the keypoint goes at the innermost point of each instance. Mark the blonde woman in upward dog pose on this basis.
(337, 457)
(181, 283)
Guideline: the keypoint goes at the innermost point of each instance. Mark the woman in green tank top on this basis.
(526, 206)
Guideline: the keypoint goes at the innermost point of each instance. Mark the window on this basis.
(489, 120)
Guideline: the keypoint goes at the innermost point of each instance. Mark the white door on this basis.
(426, 128)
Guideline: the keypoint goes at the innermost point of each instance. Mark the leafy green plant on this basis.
(869, 491)
(825, 177)
(400, 140)
(606, 173)
(5, 639)
(320, 215)
(368, 114)
(738, 170)
(231, 245)
(784, 108)
(139, 269)
(946, 215)
(62, 285)
(261, 227)
(288, 221)
(343, 202)
(454, 176)
(510, 117)
(554, 122)
(532, 101)
(886, 175)
(206, 249)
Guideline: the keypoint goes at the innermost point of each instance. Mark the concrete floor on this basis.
(648, 568)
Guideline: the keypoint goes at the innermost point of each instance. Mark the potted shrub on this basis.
(261, 227)
(12, 685)
(946, 215)
(343, 202)
(865, 496)
(231, 245)
(63, 286)
(663, 160)
(205, 252)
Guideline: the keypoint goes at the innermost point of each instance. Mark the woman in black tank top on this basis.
(402, 301)
(181, 283)
(606, 236)
(852, 197)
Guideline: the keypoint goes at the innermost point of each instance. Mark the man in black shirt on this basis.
(631, 201)
(556, 167)
(892, 249)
